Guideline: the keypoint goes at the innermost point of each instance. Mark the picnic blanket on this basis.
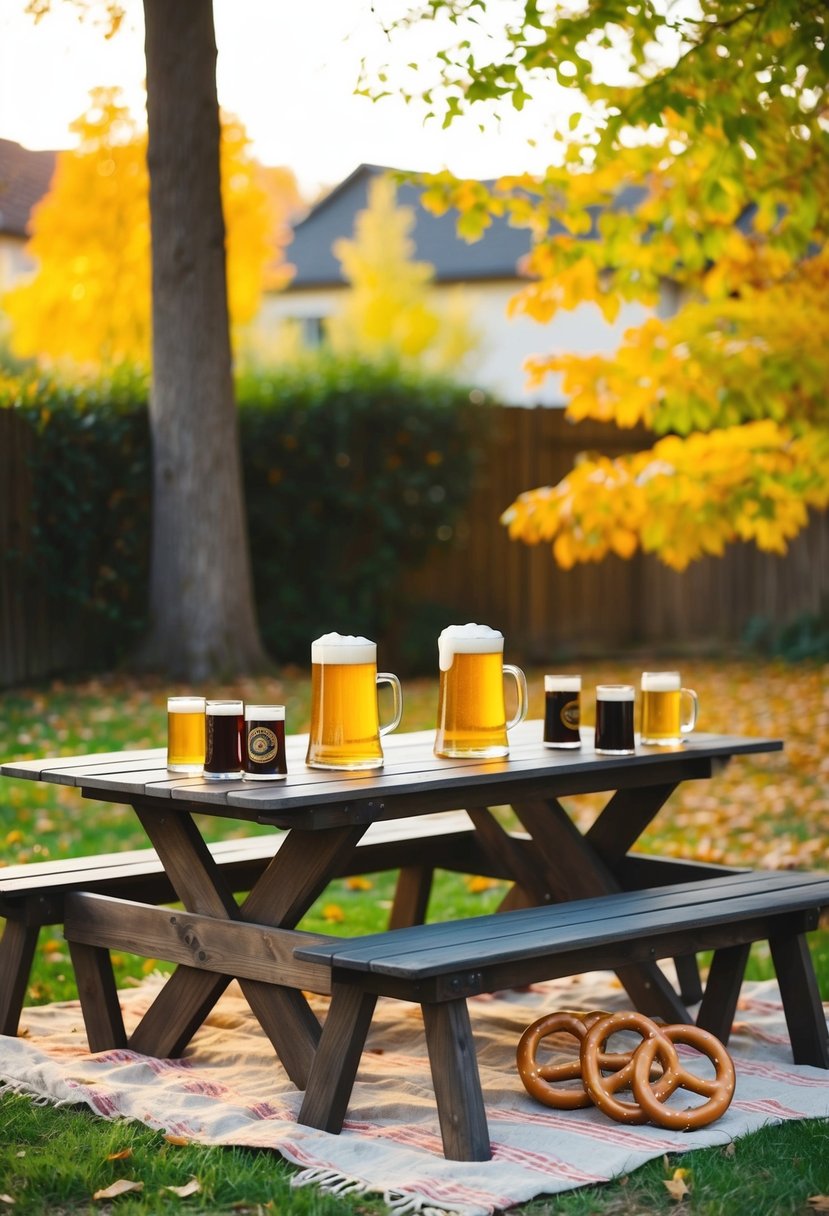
(229, 1089)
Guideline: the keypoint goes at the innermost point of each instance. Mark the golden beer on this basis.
(663, 724)
(345, 726)
(185, 734)
(471, 709)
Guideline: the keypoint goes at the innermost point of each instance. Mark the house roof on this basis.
(24, 179)
(494, 256)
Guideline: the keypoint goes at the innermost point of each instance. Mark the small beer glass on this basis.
(663, 722)
(225, 723)
(345, 722)
(614, 719)
(472, 719)
(264, 758)
(185, 734)
(562, 711)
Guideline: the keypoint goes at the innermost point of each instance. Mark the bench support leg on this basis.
(411, 896)
(99, 997)
(456, 1082)
(722, 990)
(648, 987)
(801, 1000)
(687, 972)
(17, 950)
(337, 1058)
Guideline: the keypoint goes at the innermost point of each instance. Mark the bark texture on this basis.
(203, 618)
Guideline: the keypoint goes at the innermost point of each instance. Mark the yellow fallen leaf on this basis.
(818, 1203)
(190, 1188)
(478, 883)
(122, 1187)
(676, 1186)
(120, 1156)
(176, 1139)
(334, 913)
(358, 883)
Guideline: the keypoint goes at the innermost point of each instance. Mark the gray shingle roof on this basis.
(24, 179)
(495, 256)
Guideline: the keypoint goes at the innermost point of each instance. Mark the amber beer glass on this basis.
(614, 719)
(223, 740)
(562, 711)
(663, 698)
(471, 708)
(185, 734)
(264, 751)
(345, 722)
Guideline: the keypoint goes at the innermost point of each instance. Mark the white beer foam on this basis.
(343, 648)
(468, 639)
(185, 705)
(660, 681)
(615, 692)
(275, 712)
(224, 709)
(562, 683)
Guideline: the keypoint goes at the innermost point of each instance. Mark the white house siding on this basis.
(506, 342)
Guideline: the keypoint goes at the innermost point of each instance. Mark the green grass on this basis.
(765, 810)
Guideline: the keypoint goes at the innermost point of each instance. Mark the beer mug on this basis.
(663, 699)
(562, 711)
(185, 734)
(345, 722)
(225, 722)
(471, 709)
(614, 720)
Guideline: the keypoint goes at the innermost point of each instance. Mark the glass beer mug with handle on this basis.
(471, 709)
(669, 711)
(345, 722)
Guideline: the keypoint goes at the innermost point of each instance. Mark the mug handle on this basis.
(521, 689)
(693, 700)
(386, 677)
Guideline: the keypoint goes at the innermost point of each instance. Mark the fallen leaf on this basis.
(676, 1186)
(818, 1203)
(120, 1156)
(6, 1199)
(190, 1188)
(730, 1149)
(359, 883)
(122, 1187)
(333, 913)
(176, 1139)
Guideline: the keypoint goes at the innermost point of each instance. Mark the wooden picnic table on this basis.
(324, 816)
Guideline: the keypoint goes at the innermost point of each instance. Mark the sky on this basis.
(286, 68)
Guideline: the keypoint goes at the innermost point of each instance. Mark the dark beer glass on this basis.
(264, 753)
(225, 723)
(614, 719)
(562, 704)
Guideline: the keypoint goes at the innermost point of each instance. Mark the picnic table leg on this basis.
(335, 1064)
(99, 997)
(801, 999)
(456, 1081)
(17, 951)
(722, 990)
(411, 896)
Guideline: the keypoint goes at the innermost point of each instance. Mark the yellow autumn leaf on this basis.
(333, 913)
(120, 1156)
(193, 1187)
(358, 882)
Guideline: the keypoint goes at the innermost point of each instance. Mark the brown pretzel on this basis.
(540, 1079)
(602, 1089)
(718, 1091)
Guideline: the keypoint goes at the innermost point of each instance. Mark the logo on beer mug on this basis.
(471, 707)
(345, 722)
(663, 700)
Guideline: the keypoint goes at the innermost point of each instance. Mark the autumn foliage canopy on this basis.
(704, 167)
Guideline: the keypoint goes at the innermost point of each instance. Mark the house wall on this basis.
(505, 341)
(15, 263)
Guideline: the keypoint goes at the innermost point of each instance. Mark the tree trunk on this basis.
(203, 618)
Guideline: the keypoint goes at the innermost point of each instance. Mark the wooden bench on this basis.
(439, 965)
(32, 895)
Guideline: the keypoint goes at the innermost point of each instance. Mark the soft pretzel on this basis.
(602, 1089)
(718, 1091)
(540, 1080)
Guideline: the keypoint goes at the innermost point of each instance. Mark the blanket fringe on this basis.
(337, 1184)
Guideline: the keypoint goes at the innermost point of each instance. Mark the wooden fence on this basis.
(599, 608)
(543, 611)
